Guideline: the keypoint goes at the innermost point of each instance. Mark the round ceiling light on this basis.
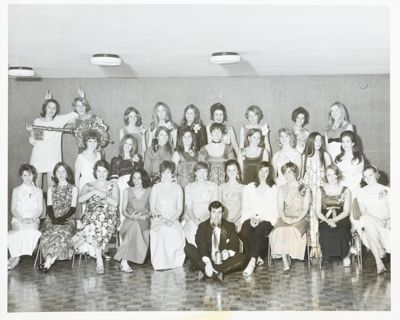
(106, 59)
(19, 71)
(225, 57)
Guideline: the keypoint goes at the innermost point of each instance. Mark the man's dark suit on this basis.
(229, 240)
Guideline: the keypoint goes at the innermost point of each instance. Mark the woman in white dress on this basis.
(167, 239)
(46, 151)
(288, 239)
(161, 117)
(218, 115)
(231, 192)
(259, 215)
(254, 115)
(374, 223)
(300, 117)
(350, 161)
(85, 161)
(338, 122)
(198, 195)
(134, 126)
(26, 208)
(287, 153)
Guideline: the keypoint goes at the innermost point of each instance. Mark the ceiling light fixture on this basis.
(106, 59)
(225, 57)
(19, 71)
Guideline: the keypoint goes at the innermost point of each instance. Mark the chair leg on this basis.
(269, 257)
(38, 255)
(73, 259)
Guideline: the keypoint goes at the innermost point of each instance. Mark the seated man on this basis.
(217, 251)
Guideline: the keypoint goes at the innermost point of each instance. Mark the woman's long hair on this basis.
(270, 181)
(357, 155)
(309, 150)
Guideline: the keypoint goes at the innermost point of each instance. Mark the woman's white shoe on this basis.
(249, 270)
(126, 268)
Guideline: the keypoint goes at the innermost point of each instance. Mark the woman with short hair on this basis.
(26, 208)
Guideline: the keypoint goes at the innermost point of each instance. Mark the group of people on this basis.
(196, 191)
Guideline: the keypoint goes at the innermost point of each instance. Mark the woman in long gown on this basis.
(231, 192)
(288, 239)
(374, 223)
(160, 150)
(254, 115)
(167, 239)
(123, 165)
(101, 217)
(287, 153)
(350, 161)
(46, 151)
(192, 121)
(300, 117)
(134, 230)
(251, 155)
(161, 117)
(85, 161)
(185, 157)
(216, 153)
(315, 160)
(198, 195)
(26, 208)
(56, 242)
(333, 207)
(259, 215)
(219, 115)
(134, 127)
(338, 122)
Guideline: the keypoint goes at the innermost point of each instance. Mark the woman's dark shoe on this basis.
(45, 270)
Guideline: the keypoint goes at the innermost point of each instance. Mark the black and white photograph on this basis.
(189, 157)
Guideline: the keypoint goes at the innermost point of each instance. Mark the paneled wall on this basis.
(366, 97)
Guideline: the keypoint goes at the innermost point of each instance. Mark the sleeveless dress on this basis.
(121, 169)
(135, 233)
(335, 242)
(56, 240)
(231, 198)
(184, 172)
(290, 238)
(46, 153)
(22, 238)
(197, 197)
(374, 224)
(352, 174)
(314, 172)
(334, 142)
(250, 166)
(99, 222)
(166, 242)
(217, 164)
(86, 169)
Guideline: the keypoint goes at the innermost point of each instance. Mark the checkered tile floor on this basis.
(81, 289)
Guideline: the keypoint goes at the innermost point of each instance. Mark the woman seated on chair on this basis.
(167, 239)
(135, 228)
(100, 218)
(56, 242)
(26, 208)
(259, 215)
(333, 206)
(289, 239)
(374, 223)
